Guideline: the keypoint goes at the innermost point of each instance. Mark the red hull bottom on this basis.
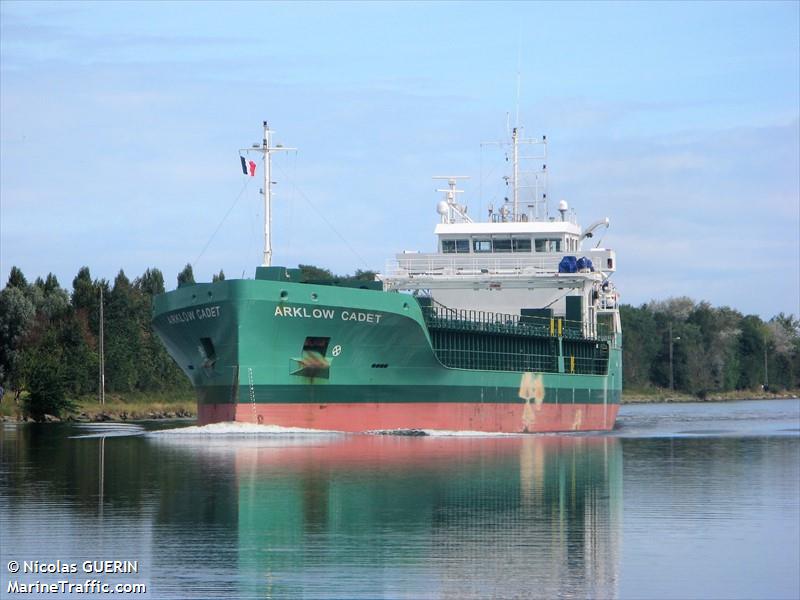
(448, 416)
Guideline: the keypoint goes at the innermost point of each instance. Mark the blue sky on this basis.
(120, 125)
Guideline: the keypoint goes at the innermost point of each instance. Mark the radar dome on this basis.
(442, 207)
(563, 205)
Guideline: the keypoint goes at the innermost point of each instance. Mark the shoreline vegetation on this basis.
(666, 396)
(118, 407)
(142, 407)
(54, 343)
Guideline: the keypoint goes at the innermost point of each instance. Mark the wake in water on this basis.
(239, 429)
(251, 429)
(102, 430)
(438, 433)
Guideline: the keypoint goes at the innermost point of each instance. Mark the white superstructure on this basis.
(510, 263)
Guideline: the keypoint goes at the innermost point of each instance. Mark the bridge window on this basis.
(455, 246)
(482, 245)
(548, 245)
(502, 245)
(522, 245)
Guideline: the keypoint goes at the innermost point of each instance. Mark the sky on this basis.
(121, 124)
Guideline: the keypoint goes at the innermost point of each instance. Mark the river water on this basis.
(680, 501)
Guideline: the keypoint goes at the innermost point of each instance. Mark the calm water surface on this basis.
(680, 501)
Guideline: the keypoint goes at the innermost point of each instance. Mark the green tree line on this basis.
(49, 341)
(713, 349)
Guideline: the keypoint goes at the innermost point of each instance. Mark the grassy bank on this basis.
(121, 407)
(664, 395)
(171, 405)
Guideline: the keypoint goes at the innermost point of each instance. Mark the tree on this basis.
(157, 371)
(675, 309)
(751, 353)
(219, 277)
(80, 357)
(186, 277)
(51, 300)
(123, 340)
(151, 283)
(784, 351)
(17, 314)
(17, 279)
(717, 349)
(51, 284)
(364, 275)
(84, 291)
(640, 346)
(45, 377)
(312, 273)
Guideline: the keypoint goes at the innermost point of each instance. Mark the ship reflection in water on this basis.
(444, 517)
(710, 508)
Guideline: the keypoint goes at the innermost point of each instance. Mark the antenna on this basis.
(266, 149)
(519, 71)
(450, 210)
(539, 185)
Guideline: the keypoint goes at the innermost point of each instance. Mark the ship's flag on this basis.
(248, 167)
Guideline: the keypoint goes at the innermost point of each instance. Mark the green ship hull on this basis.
(277, 351)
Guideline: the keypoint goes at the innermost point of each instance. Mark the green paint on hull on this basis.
(242, 341)
(407, 394)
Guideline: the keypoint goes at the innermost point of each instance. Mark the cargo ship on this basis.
(509, 326)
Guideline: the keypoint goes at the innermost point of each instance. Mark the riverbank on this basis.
(139, 407)
(662, 395)
(118, 407)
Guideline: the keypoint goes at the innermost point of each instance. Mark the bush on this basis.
(46, 384)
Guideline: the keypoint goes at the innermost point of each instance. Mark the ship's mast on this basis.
(266, 149)
(537, 207)
(515, 144)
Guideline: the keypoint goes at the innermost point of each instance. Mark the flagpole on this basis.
(267, 199)
(266, 150)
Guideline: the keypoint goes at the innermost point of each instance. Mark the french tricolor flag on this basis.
(248, 167)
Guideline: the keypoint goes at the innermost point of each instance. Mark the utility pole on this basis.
(102, 375)
(766, 370)
(671, 371)
(671, 367)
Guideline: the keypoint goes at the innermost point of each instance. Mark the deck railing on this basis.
(438, 315)
(432, 265)
(474, 265)
(473, 339)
